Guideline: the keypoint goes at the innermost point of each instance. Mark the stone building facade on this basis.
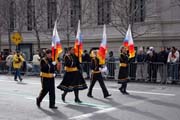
(155, 23)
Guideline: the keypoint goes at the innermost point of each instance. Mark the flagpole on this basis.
(54, 54)
(55, 45)
(79, 42)
(78, 53)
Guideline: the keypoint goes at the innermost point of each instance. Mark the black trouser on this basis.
(132, 71)
(98, 77)
(152, 72)
(47, 86)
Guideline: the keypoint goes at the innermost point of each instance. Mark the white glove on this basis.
(104, 69)
(54, 63)
(54, 75)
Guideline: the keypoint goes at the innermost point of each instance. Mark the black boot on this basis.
(53, 107)
(38, 103)
(63, 96)
(121, 90)
(76, 93)
(90, 95)
(108, 95)
(125, 92)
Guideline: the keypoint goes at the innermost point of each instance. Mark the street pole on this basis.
(67, 24)
(68, 39)
(0, 42)
(9, 39)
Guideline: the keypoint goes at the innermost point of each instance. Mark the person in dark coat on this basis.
(132, 68)
(151, 59)
(47, 80)
(97, 76)
(123, 70)
(162, 66)
(141, 65)
(86, 61)
(73, 79)
(111, 65)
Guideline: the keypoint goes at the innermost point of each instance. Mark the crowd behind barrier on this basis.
(138, 71)
(147, 65)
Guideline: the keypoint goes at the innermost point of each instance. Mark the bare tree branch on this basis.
(124, 12)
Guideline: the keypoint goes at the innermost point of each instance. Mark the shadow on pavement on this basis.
(157, 102)
(55, 114)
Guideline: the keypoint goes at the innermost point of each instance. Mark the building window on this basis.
(30, 14)
(51, 13)
(104, 12)
(12, 15)
(139, 7)
(75, 12)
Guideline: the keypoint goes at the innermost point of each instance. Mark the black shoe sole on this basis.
(107, 96)
(38, 103)
(53, 107)
(77, 101)
(63, 97)
(90, 96)
(121, 91)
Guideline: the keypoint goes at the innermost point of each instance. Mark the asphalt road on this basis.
(145, 102)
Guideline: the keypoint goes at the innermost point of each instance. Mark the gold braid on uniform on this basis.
(70, 69)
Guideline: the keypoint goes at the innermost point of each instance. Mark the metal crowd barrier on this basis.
(144, 71)
(138, 71)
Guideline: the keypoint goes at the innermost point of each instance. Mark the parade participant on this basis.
(17, 64)
(73, 79)
(123, 70)
(47, 80)
(97, 76)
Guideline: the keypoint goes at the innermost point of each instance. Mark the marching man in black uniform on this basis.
(47, 80)
(123, 70)
(73, 79)
(96, 75)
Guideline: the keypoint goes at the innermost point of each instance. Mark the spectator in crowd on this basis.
(1, 60)
(24, 64)
(1, 56)
(86, 61)
(42, 53)
(179, 65)
(168, 49)
(36, 62)
(132, 68)
(9, 60)
(65, 51)
(162, 59)
(111, 65)
(17, 64)
(140, 58)
(173, 59)
(59, 65)
(152, 67)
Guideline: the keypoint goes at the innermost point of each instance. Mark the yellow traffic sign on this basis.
(16, 38)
